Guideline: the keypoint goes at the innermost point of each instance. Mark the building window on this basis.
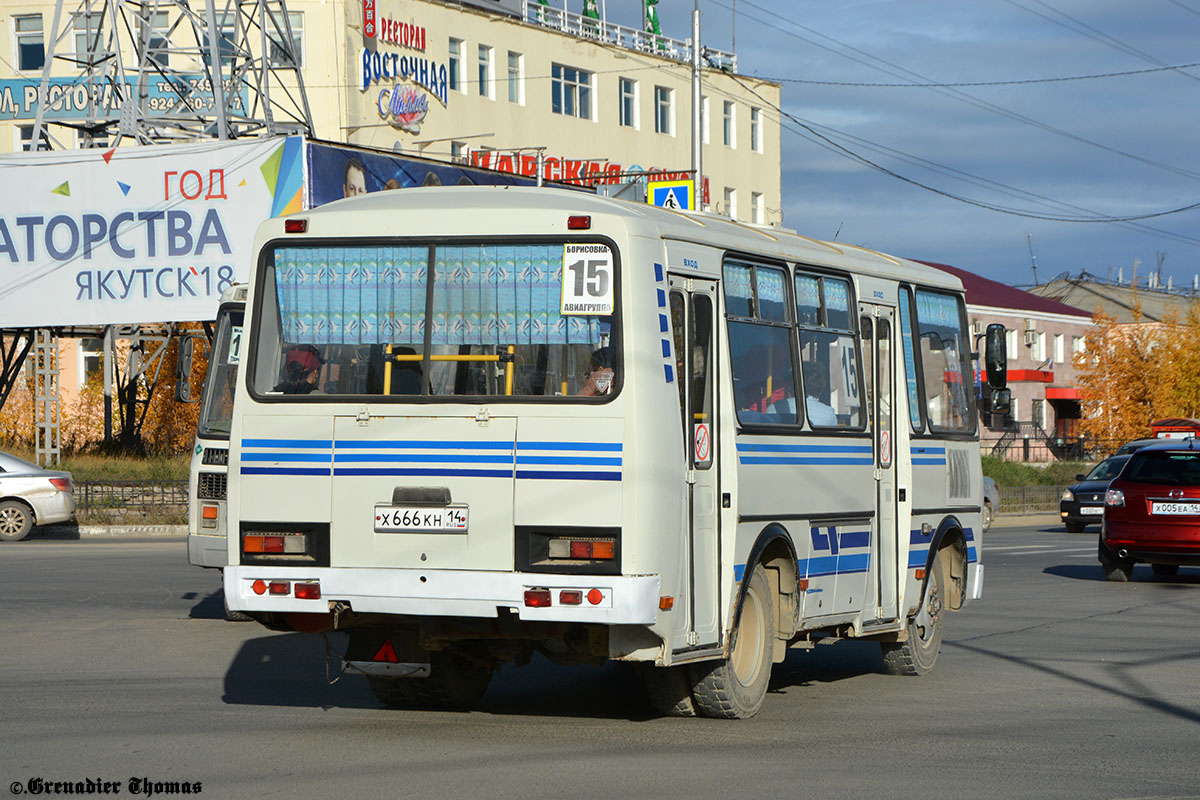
(1038, 352)
(1014, 412)
(485, 72)
(1011, 333)
(87, 39)
(1077, 345)
(757, 209)
(570, 91)
(728, 129)
(24, 137)
(704, 119)
(664, 116)
(756, 130)
(280, 55)
(516, 78)
(226, 35)
(458, 152)
(90, 358)
(1059, 349)
(455, 67)
(1037, 413)
(730, 202)
(31, 44)
(159, 45)
(627, 91)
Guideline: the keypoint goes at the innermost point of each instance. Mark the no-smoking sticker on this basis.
(885, 447)
(702, 442)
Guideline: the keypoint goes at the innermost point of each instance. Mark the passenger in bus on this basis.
(816, 396)
(598, 380)
(301, 370)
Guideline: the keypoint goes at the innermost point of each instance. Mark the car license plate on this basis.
(421, 519)
(1176, 509)
(1088, 510)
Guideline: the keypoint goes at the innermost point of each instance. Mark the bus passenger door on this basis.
(877, 324)
(693, 310)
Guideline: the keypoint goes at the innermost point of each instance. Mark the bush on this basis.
(1015, 473)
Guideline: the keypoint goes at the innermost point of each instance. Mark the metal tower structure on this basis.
(160, 71)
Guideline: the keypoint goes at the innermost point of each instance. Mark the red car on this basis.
(1152, 511)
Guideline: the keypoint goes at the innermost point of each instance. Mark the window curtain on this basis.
(482, 295)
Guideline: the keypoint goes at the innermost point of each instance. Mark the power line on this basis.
(988, 83)
(907, 74)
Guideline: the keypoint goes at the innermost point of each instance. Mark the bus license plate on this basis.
(421, 519)
(1175, 508)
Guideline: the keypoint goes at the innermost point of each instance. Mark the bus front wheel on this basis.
(735, 688)
(919, 652)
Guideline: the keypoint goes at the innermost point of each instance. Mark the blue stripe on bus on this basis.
(439, 458)
(751, 447)
(929, 450)
(317, 457)
(833, 462)
(854, 539)
(283, 471)
(824, 566)
(972, 555)
(917, 558)
(422, 445)
(929, 462)
(397, 471)
(664, 324)
(567, 475)
(605, 446)
(738, 571)
(594, 461)
(311, 443)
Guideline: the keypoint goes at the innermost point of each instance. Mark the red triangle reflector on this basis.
(387, 653)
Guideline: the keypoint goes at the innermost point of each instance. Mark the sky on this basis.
(979, 174)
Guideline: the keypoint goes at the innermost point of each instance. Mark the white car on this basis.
(30, 495)
(991, 502)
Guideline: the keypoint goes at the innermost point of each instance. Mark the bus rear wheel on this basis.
(669, 689)
(735, 688)
(919, 652)
(457, 679)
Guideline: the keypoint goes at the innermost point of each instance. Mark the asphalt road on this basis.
(118, 666)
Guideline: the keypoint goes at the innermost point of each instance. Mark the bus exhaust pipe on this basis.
(1123, 553)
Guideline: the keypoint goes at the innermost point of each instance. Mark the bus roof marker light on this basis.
(579, 223)
(295, 226)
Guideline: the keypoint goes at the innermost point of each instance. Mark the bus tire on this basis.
(918, 653)
(669, 689)
(734, 688)
(457, 679)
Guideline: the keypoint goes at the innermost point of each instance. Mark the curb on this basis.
(80, 531)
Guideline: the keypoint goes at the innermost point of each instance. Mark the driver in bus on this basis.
(300, 370)
(599, 378)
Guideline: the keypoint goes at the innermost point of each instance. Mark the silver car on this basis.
(30, 495)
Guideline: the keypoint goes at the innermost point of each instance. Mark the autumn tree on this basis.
(1134, 373)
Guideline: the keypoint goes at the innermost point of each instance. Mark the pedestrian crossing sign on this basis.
(675, 195)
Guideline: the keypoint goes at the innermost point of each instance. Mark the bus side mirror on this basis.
(183, 371)
(1001, 401)
(996, 358)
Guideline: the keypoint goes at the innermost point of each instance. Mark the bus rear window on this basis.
(444, 321)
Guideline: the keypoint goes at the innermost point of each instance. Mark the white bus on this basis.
(478, 423)
(207, 480)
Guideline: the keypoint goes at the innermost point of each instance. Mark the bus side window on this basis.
(760, 344)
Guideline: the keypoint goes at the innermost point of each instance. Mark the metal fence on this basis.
(126, 500)
(1029, 499)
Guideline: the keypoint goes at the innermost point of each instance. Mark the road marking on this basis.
(1043, 552)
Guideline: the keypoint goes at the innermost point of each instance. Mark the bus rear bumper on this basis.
(602, 599)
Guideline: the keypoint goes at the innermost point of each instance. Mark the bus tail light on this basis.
(281, 543)
(583, 549)
(279, 588)
(208, 516)
(537, 598)
(310, 590)
(570, 597)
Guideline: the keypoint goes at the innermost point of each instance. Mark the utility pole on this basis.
(1032, 257)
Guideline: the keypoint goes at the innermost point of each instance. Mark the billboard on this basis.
(136, 234)
(336, 172)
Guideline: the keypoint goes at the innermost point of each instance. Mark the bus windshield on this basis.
(216, 403)
(486, 319)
